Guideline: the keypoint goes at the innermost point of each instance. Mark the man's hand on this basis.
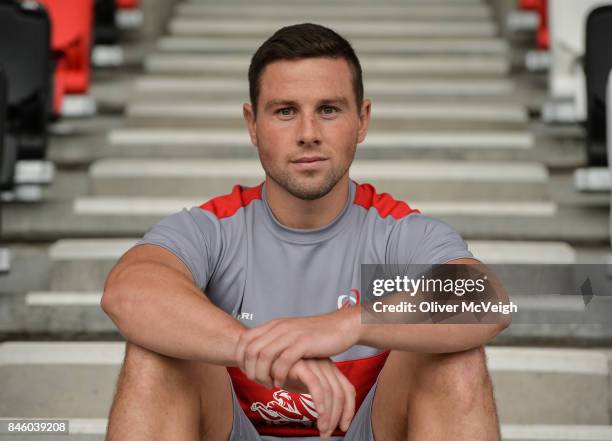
(266, 353)
(332, 393)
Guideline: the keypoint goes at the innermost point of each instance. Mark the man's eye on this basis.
(285, 111)
(329, 110)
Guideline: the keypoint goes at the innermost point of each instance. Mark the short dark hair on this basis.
(306, 40)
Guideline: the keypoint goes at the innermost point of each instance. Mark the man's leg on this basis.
(435, 397)
(164, 398)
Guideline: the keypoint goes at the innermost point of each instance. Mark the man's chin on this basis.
(308, 195)
(310, 191)
(306, 186)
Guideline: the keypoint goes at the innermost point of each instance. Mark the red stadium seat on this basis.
(71, 30)
(126, 4)
(541, 8)
(129, 16)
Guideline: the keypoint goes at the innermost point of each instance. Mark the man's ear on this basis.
(249, 119)
(364, 120)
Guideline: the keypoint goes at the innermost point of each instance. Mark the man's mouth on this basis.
(309, 159)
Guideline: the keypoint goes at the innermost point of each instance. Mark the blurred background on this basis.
(489, 114)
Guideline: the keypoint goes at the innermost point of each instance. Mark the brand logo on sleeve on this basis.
(346, 300)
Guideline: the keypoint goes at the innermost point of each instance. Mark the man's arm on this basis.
(151, 296)
(431, 337)
(266, 353)
(153, 300)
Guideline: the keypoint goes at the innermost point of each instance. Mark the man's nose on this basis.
(308, 131)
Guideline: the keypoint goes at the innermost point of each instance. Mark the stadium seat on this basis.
(566, 83)
(7, 150)
(129, 15)
(126, 4)
(71, 31)
(540, 7)
(609, 142)
(106, 52)
(597, 66)
(531, 16)
(522, 19)
(105, 27)
(25, 29)
(7, 165)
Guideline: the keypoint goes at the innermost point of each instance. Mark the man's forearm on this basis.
(416, 334)
(426, 338)
(171, 316)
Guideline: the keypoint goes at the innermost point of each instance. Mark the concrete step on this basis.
(356, 3)
(30, 269)
(394, 116)
(349, 29)
(583, 225)
(305, 13)
(78, 313)
(184, 142)
(64, 313)
(363, 46)
(32, 265)
(541, 319)
(533, 386)
(78, 265)
(221, 90)
(593, 179)
(83, 264)
(563, 191)
(377, 140)
(142, 206)
(430, 180)
(374, 67)
(535, 432)
(440, 143)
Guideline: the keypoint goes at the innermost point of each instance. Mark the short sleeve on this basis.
(193, 237)
(420, 239)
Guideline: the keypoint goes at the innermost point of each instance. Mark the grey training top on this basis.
(257, 269)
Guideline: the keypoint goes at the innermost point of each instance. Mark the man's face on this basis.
(307, 124)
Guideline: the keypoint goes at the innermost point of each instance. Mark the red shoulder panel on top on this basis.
(228, 204)
(366, 197)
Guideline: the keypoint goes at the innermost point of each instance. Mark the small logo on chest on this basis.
(346, 300)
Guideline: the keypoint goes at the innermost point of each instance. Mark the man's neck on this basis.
(303, 214)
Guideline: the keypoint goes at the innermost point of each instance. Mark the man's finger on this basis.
(312, 382)
(348, 410)
(248, 336)
(324, 417)
(337, 396)
(254, 348)
(285, 361)
(251, 355)
(267, 356)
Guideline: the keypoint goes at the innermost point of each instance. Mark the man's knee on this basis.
(462, 377)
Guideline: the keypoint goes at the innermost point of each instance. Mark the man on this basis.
(263, 284)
